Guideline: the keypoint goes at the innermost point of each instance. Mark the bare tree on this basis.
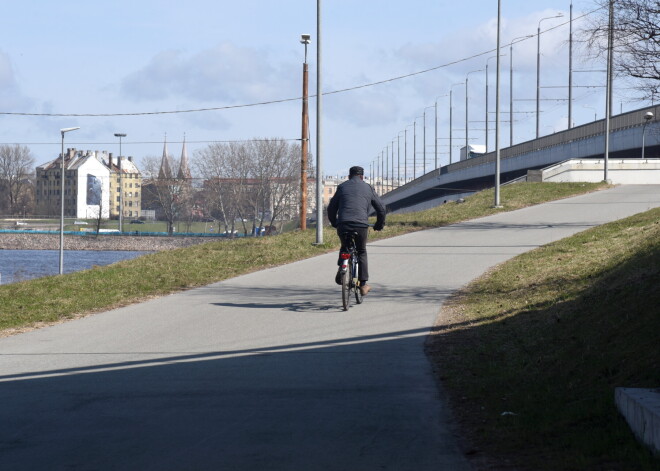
(167, 191)
(210, 164)
(636, 30)
(279, 175)
(16, 168)
(256, 180)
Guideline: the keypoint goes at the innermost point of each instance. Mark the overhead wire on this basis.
(283, 100)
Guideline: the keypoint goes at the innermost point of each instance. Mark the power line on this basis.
(283, 100)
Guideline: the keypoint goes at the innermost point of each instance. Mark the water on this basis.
(21, 265)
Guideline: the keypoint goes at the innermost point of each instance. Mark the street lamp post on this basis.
(648, 116)
(405, 154)
(570, 68)
(497, 107)
(451, 93)
(386, 164)
(467, 77)
(63, 131)
(492, 57)
(121, 188)
(436, 129)
(392, 168)
(319, 133)
(538, 68)
(591, 107)
(511, 85)
(398, 159)
(424, 139)
(415, 147)
(305, 40)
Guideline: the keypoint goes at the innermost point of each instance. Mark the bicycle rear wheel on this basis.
(358, 293)
(346, 289)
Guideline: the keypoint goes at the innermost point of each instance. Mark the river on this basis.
(21, 265)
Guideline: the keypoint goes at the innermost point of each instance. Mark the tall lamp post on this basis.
(121, 187)
(63, 131)
(415, 147)
(392, 168)
(570, 68)
(405, 154)
(497, 107)
(591, 107)
(304, 39)
(319, 135)
(398, 158)
(492, 57)
(451, 112)
(648, 116)
(424, 139)
(538, 68)
(467, 77)
(435, 147)
(514, 40)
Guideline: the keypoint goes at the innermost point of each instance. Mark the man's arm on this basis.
(333, 206)
(380, 212)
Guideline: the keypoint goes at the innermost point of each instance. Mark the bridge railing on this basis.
(585, 131)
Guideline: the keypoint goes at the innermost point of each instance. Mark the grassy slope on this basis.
(548, 336)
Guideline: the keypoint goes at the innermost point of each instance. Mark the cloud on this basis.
(226, 73)
(363, 108)
(11, 97)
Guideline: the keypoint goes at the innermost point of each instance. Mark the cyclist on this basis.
(348, 211)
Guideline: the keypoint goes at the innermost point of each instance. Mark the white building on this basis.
(86, 185)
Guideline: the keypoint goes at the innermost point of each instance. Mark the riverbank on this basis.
(26, 241)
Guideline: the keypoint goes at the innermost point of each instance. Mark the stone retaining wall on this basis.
(22, 241)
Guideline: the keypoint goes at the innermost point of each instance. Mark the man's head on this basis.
(359, 171)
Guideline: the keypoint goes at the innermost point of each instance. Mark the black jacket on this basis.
(351, 204)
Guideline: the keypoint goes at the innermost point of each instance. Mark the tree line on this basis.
(246, 186)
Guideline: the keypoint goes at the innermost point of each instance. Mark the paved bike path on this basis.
(265, 371)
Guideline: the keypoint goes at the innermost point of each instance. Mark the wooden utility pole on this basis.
(305, 142)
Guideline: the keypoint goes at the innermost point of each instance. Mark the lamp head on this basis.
(68, 129)
(305, 39)
(120, 134)
(648, 116)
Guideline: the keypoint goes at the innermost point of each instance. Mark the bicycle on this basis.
(350, 263)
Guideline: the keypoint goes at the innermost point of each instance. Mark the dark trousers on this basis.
(361, 245)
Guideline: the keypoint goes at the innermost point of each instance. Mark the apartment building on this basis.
(91, 185)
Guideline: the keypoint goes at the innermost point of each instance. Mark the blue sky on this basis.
(115, 57)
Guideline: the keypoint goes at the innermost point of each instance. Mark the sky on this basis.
(120, 57)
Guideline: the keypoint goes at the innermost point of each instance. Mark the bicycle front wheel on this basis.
(346, 289)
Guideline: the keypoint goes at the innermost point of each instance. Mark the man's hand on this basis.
(378, 227)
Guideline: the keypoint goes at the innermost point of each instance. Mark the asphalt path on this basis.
(265, 371)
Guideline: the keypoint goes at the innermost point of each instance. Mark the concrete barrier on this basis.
(641, 409)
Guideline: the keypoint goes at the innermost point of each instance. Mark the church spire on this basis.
(184, 166)
(165, 163)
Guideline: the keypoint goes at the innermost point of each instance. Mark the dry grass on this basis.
(548, 336)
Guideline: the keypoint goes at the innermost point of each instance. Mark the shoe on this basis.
(364, 289)
(338, 277)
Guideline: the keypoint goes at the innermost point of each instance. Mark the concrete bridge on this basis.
(582, 148)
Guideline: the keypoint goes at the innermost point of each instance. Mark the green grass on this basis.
(548, 336)
(57, 298)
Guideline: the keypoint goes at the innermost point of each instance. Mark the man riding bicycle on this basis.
(348, 211)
